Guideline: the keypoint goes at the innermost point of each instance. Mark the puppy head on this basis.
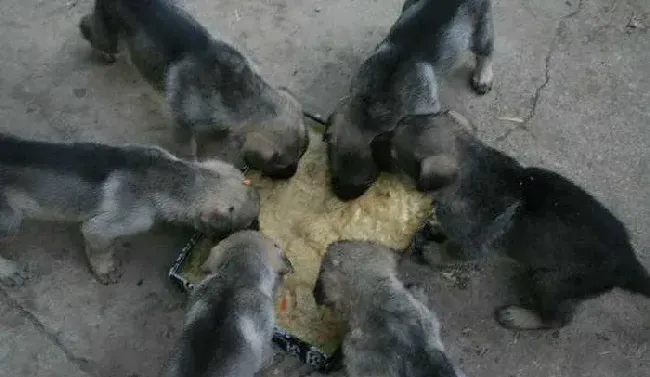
(349, 155)
(100, 33)
(256, 245)
(351, 268)
(227, 202)
(423, 146)
(276, 148)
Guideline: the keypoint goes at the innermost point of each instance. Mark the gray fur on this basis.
(230, 316)
(116, 191)
(570, 246)
(390, 332)
(212, 89)
(401, 78)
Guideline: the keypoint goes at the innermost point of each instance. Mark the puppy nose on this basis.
(255, 225)
(318, 293)
(347, 191)
(283, 173)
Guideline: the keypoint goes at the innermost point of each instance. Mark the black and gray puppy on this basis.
(212, 89)
(229, 322)
(390, 332)
(116, 191)
(570, 246)
(401, 78)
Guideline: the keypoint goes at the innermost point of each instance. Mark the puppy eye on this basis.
(231, 209)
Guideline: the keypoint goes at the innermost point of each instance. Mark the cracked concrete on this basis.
(523, 123)
(14, 308)
(574, 75)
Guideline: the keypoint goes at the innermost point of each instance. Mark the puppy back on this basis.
(92, 162)
(172, 27)
(545, 190)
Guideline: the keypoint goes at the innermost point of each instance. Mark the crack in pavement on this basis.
(523, 126)
(85, 365)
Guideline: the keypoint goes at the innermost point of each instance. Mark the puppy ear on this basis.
(279, 261)
(436, 172)
(258, 149)
(214, 259)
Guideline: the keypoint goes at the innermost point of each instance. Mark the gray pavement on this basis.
(576, 74)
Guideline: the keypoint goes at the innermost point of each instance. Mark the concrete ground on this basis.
(576, 74)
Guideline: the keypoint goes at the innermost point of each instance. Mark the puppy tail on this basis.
(638, 280)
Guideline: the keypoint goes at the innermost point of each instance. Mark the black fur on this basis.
(155, 18)
(570, 245)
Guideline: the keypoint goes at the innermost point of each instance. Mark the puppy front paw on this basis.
(480, 83)
(106, 57)
(107, 272)
(517, 318)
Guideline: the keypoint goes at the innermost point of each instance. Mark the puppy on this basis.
(116, 191)
(390, 332)
(401, 78)
(229, 322)
(213, 90)
(570, 246)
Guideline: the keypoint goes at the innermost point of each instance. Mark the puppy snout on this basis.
(283, 173)
(348, 191)
(318, 293)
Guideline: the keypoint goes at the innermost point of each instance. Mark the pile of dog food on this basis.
(304, 217)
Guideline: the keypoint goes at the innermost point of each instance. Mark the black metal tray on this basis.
(307, 353)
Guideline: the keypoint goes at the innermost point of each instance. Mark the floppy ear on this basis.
(436, 172)
(258, 149)
(279, 262)
(214, 259)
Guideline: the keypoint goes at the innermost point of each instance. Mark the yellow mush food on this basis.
(304, 217)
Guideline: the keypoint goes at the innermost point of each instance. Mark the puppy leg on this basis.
(149, 60)
(551, 306)
(517, 317)
(335, 362)
(430, 244)
(184, 136)
(11, 273)
(101, 232)
(482, 45)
